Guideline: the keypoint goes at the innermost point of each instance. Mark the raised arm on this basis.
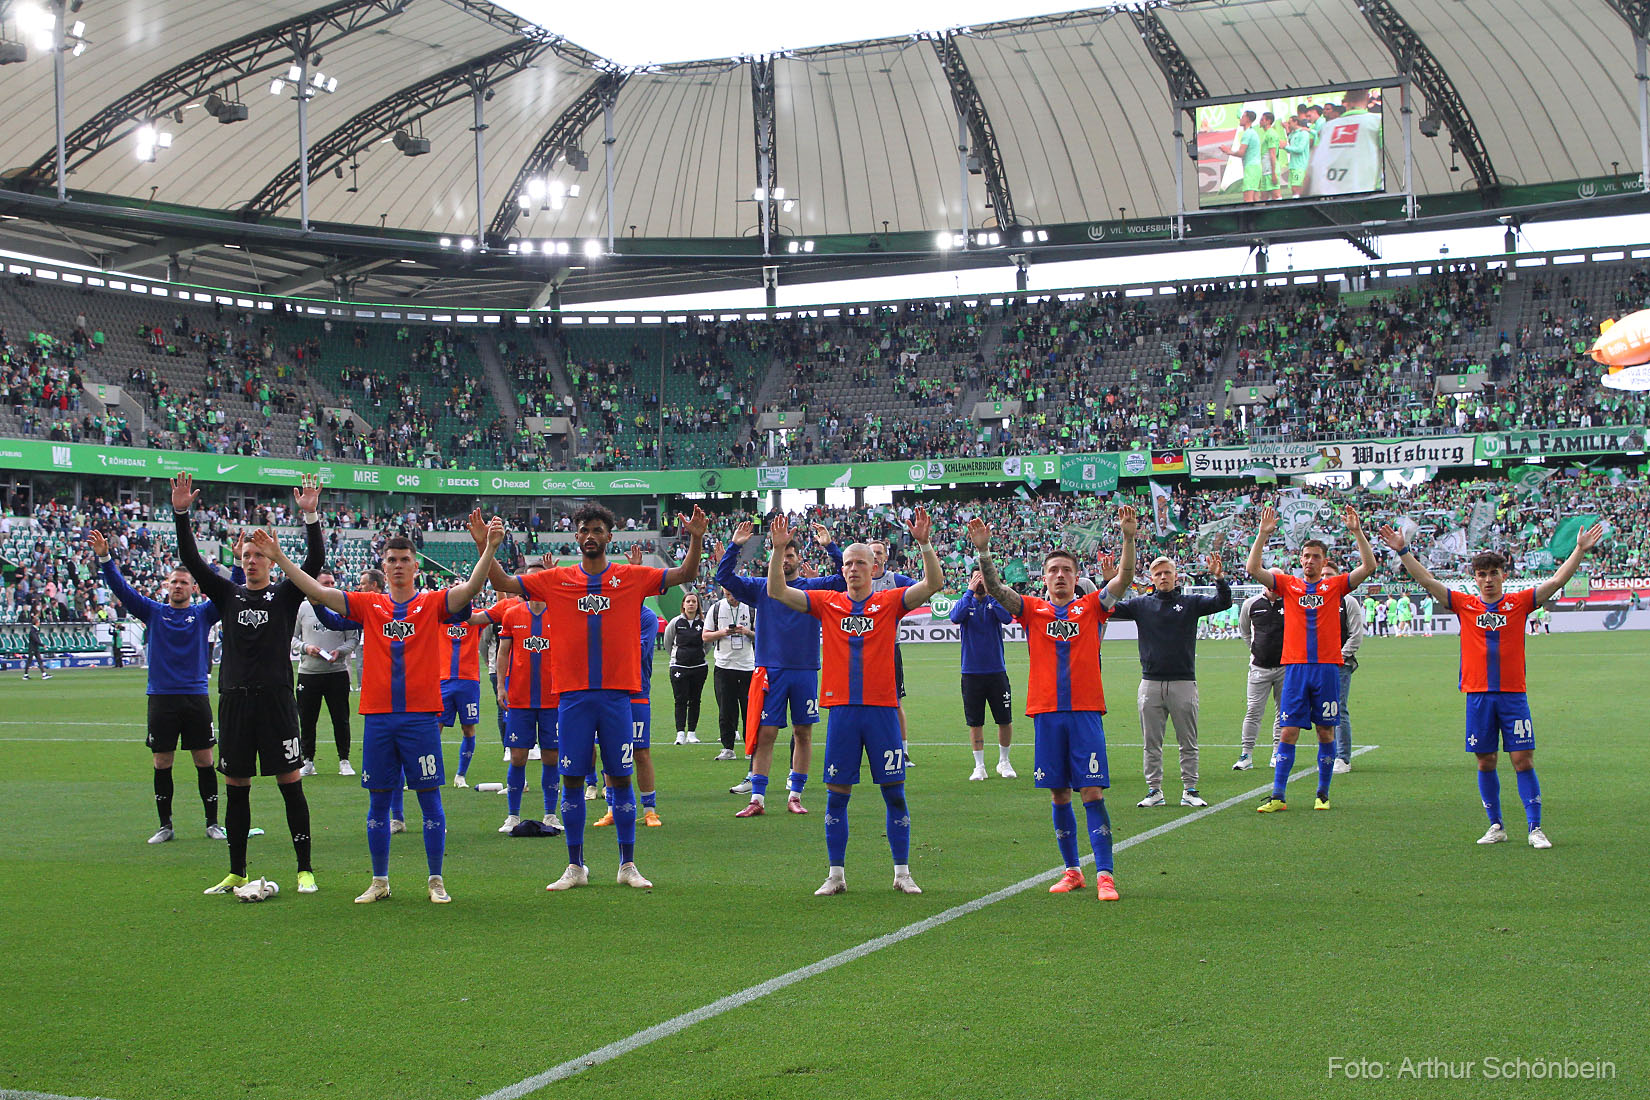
(1128, 522)
(921, 528)
(1553, 585)
(1256, 565)
(134, 601)
(1412, 565)
(1222, 599)
(312, 589)
(503, 583)
(308, 499)
(460, 596)
(822, 535)
(979, 533)
(745, 589)
(779, 534)
(210, 581)
(689, 569)
(1366, 553)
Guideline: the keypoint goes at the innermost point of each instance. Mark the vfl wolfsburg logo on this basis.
(455, 631)
(252, 617)
(1312, 601)
(1490, 621)
(398, 631)
(1062, 631)
(536, 644)
(858, 624)
(594, 605)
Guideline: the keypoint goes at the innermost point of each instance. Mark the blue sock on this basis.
(378, 832)
(759, 786)
(1099, 833)
(899, 823)
(466, 749)
(550, 780)
(1529, 793)
(592, 780)
(572, 820)
(797, 781)
(435, 827)
(515, 779)
(1489, 793)
(607, 793)
(1286, 764)
(1065, 832)
(836, 828)
(650, 799)
(1326, 767)
(397, 811)
(624, 821)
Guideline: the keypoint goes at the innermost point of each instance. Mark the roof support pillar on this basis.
(478, 93)
(608, 141)
(975, 123)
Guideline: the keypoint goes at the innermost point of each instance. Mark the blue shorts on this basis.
(1069, 750)
(795, 690)
(1499, 718)
(460, 699)
(527, 727)
(397, 747)
(591, 718)
(1311, 696)
(874, 731)
(641, 725)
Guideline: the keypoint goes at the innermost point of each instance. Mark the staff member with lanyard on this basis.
(731, 627)
(685, 643)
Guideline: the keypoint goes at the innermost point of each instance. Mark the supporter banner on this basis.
(1359, 454)
(1565, 441)
(1089, 473)
(83, 458)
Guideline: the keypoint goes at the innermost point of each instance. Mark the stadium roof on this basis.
(1068, 115)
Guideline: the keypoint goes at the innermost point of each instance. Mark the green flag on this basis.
(1563, 542)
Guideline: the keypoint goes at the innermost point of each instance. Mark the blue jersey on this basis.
(784, 638)
(982, 620)
(180, 654)
(650, 636)
(330, 619)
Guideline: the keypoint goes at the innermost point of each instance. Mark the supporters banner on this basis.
(1358, 454)
(1565, 441)
(1089, 473)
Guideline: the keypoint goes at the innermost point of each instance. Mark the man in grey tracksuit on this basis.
(1166, 620)
(1260, 624)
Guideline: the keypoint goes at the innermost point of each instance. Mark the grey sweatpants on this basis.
(1160, 701)
(1262, 682)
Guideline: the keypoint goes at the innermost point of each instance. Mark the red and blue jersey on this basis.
(1312, 618)
(650, 638)
(401, 650)
(1492, 639)
(858, 646)
(596, 614)
(1063, 643)
(463, 658)
(528, 678)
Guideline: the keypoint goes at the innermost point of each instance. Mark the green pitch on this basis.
(1246, 953)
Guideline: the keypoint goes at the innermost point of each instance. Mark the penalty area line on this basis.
(756, 992)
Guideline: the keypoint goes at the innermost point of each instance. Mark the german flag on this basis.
(1168, 462)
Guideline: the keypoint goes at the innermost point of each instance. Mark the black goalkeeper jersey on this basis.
(257, 625)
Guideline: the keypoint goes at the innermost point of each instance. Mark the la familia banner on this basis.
(1565, 441)
(1289, 459)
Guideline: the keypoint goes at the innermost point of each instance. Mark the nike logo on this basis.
(222, 469)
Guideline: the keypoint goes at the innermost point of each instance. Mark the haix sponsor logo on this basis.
(1311, 601)
(536, 644)
(366, 477)
(594, 605)
(463, 482)
(858, 624)
(253, 616)
(1062, 630)
(1491, 621)
(629, 483)
(399, 630)
(511, 483)
(456, 631)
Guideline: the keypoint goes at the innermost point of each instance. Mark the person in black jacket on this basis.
(1260, 624)
(1167, 619)
(685, 646)
(257, 714)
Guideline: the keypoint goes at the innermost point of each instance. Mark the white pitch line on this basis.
(773, 985)
(140, 725)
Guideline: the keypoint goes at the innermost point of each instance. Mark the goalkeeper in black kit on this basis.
(257, 717)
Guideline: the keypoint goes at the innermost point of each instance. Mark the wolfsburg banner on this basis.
(81, 458)
(1565, 441)
(1360, 454)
